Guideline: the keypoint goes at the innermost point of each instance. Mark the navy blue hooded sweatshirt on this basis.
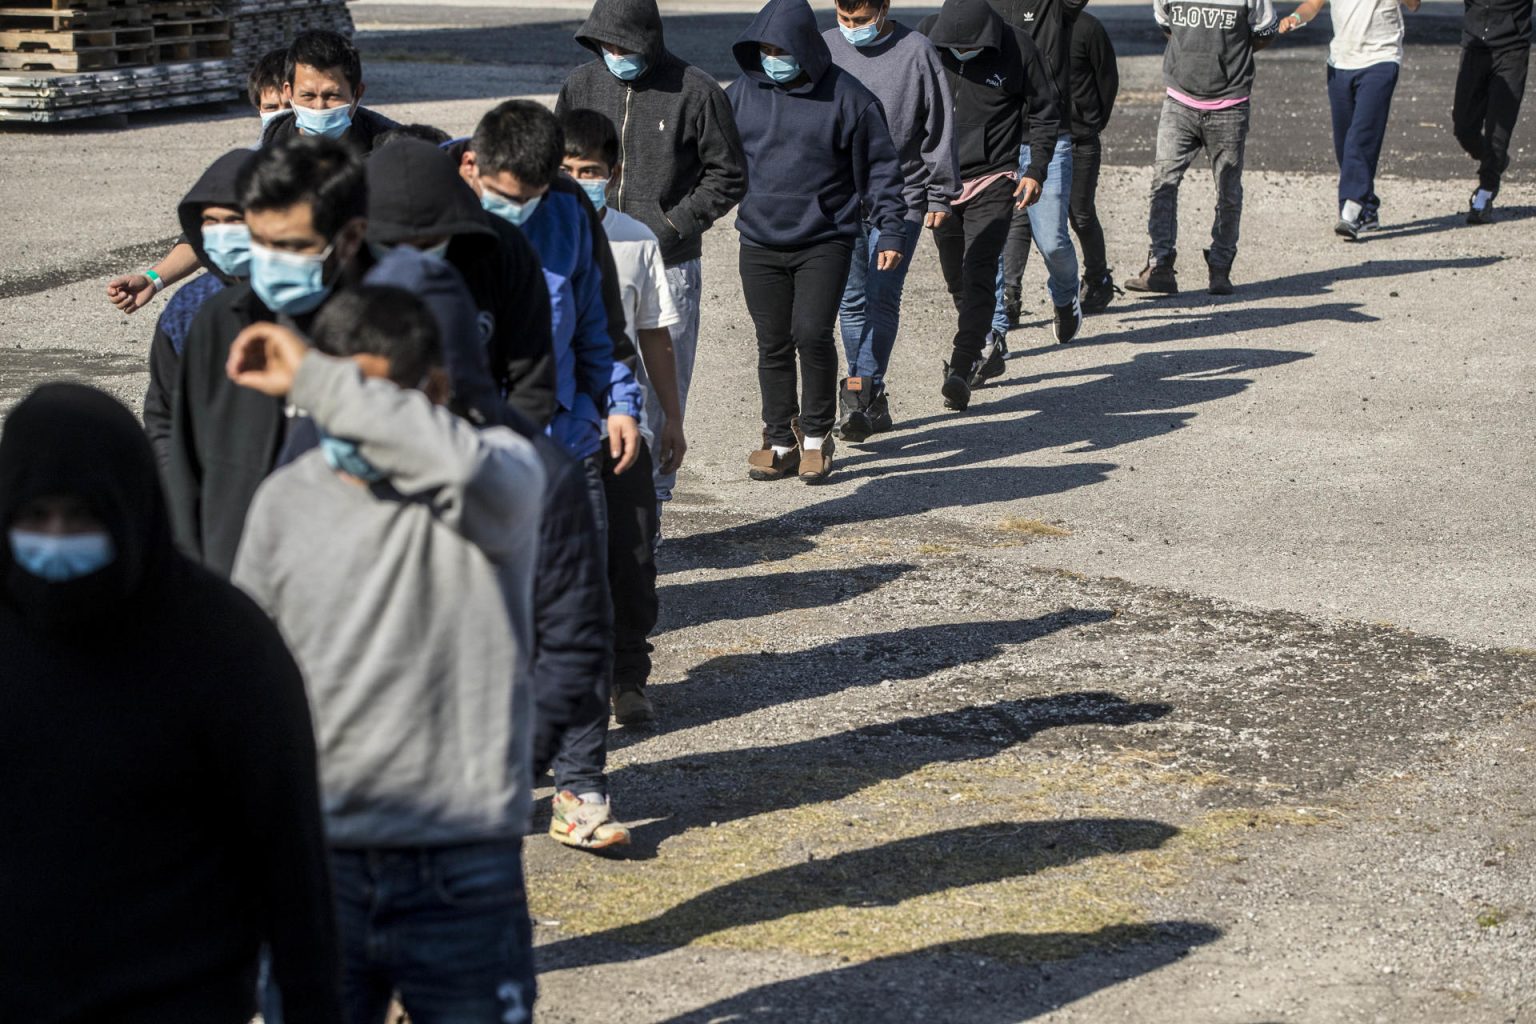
(819, 153)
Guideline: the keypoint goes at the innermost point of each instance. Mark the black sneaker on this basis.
(1154, 279)
(1476, 215)
(853, 418)
(1069, 319)
(1095, 295)
(1013, 304)
(957, 385)
(1220, 280)
(1370, 219)
(879, 414)
(993, 354)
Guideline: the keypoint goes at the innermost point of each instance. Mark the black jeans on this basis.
(1489, 87)
(1083, 215)
(970, 242)
(793, 296)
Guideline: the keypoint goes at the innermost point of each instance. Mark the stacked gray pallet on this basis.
(47, 98)
(259, 26)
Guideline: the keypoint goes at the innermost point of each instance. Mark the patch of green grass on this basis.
(1491, 917)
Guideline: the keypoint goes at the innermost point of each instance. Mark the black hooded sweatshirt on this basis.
(367, 128)
(683, 164)
(215, 188)
(1095, 76)
(415, 191)
(1049, 24)
(998, 94)
(1496, 24)
(157, 762)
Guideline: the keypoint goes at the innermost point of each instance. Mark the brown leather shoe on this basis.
(816, 463)
(764, 464)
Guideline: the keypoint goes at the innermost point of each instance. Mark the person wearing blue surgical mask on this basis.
(780, 65)
(294, 266)
(862, 22)
(626, 67)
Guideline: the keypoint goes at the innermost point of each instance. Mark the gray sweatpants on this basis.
(1182, 132)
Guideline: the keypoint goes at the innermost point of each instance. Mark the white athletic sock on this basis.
(813, 444)
(782, 450)
(1352, 210)
(592, 798)
(1481, 198)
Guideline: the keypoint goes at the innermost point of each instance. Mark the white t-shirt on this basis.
(1365, 32)
(642, 274)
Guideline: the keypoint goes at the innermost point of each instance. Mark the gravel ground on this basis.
(1189, 676)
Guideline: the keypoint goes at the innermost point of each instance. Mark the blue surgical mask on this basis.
(60, 558)
(229, 248)
(332, 122)
(509, 210)
(964, 55)
(289, 282)
(781, 69)
(596, 190)
(625, 67)
(344, 457)
(268, 116)
(436, 252)
(863, 35)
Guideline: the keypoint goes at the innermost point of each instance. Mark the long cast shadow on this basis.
(695, 790)
(944, 982)
(747, 597)
(878, 876)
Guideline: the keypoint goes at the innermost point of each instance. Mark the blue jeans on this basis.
(1361, 100)
(446, 928)
(871, 307)
(1048, 220)
(686, 282)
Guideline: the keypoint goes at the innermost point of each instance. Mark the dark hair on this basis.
(424, 132)
(521, 137)
(850, 6)
(328, 51)
(589, 135)
(311, 169)
(266, 73)
(378, 320)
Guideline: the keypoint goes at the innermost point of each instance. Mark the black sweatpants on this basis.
(631, 527)
(793, 296)
(1489, 87)
(1082, 213)
(970, 242)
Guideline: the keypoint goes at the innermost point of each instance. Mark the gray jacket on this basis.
(1210, 44)
(408, 606)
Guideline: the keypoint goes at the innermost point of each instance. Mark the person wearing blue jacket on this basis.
(819, 160)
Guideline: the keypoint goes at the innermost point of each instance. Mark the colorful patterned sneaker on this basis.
(585, 822)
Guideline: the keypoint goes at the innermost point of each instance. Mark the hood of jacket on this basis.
(967, 25)
(791, 26)
(217, 187)
(69, 439)
(415, 191)
(634, 25)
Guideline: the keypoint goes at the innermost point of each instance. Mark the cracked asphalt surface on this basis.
(1190, 676)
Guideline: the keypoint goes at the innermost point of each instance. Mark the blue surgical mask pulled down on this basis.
(964, 55)
(61, 558)
(345, 457)
(229, 248)
(863, 35)
(596, 190)
(289, 282)
(331, 123)
(781, 69)
(509, 210)
(625, 67)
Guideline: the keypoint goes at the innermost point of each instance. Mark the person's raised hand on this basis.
(623, 441)
(671, 446)
(1027, 194)
(265, 357)
(130, 292)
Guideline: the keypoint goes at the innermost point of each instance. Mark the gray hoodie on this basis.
(1210, 44)
(408, 605)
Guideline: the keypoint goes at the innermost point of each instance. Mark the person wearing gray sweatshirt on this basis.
(902, 69)
(398, 560)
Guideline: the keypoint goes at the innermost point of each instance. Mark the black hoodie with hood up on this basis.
(415, 192)
(1049, 25)
(683, 164)
(819, 151)
(215, 188)
(999, 93)
(157, 761)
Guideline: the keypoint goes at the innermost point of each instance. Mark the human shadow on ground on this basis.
(944, 982)
(829, 768)
(883, 875)
(747, 597)
(738, 684)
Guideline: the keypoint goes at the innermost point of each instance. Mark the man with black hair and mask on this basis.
(157, 758)
(214, 225)
(305, 204)
(684, 166)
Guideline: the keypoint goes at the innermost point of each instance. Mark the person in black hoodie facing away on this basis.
(157, 759)
(417, 198)
(214, 225)
(1490, 86)
(1004, 100)
(305, 204)
(819, 153)
(682, 158)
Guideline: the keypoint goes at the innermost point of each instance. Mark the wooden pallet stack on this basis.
(95, 35)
